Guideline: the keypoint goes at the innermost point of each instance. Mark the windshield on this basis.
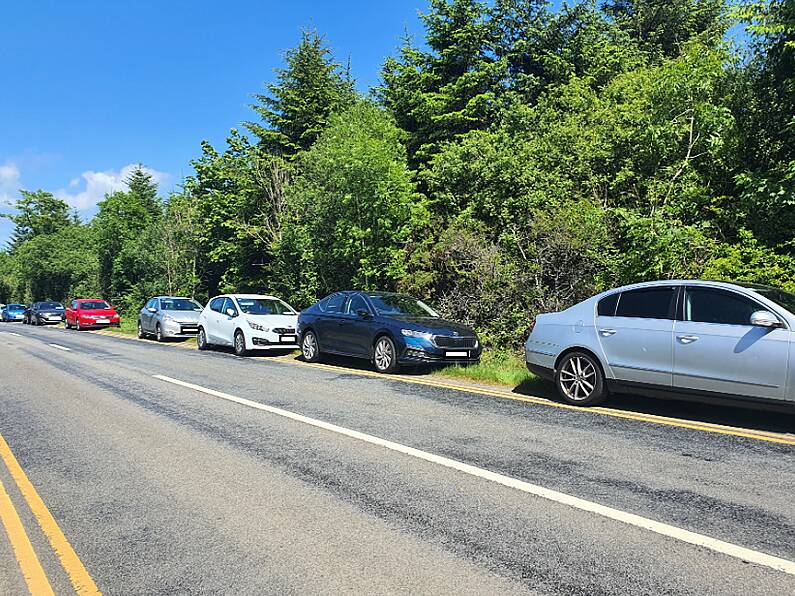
(50, 306)
(401, 304)
(94, 305)
(179, 304)
(780, 297)
(264, 306)
(16, 307)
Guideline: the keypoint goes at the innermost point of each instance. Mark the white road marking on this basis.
(726, 548)
(12, 333)
(57, 347)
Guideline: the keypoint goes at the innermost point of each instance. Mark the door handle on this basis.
(687, 339)
(607, 332)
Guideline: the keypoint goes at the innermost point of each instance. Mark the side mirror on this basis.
(765, 318)
(152, 309)
(231, 312)
(363, 314)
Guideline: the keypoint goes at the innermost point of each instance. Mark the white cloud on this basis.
(9, 182)
(98, 184)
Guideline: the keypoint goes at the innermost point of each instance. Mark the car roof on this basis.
(265, 296)
(689, 282)
(172, 298)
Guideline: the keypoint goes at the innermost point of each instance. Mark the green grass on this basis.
(129, 326)
(499, 367)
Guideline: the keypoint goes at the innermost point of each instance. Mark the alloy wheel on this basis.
(240, 344)
(384, 355)
(578, 378)
(158, 333)
(140, 330)
(309, 346)
(201, 339)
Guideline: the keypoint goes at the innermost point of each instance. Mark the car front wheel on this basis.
(309, 347)
(240, 344)
(385, 356)
(580, 381)
(158, 333)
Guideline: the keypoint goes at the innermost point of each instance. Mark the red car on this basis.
(90, 312)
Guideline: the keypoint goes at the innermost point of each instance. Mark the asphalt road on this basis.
(266, 475)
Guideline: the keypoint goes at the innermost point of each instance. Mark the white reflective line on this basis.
(726, 548)
(57, 347)
(12, 333)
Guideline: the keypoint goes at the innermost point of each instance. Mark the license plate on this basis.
(456, 354)
(55, 317)
(102, 321)
(288, 339)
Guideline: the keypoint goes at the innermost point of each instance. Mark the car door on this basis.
(355, 330)
(71, 313)
(146, 316)
(716, 348)
(637, 337)
(329, 326)
(213, 319)
(227, 323)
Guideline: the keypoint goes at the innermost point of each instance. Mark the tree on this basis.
(297, 107)
(38, 213)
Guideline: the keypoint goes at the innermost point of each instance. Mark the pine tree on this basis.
(297, 106)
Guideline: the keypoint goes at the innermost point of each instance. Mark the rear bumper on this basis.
(542, 371)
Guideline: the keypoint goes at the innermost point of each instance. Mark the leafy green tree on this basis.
(37, 213)
(297, 106)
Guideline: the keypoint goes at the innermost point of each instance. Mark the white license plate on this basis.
(288, 339)
(103, 321)
(57, 317)
(456, 354)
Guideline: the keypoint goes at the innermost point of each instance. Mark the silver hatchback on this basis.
(167, 317)
(701, 339)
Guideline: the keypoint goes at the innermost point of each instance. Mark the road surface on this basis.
(139, 468)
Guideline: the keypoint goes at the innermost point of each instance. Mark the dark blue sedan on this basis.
(388, 329)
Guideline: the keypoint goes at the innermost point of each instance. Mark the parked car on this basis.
(169, 317)
(13, 312)
(43, 313)
(248, 322)
(386, 328)
(699, 339)
(85, 313)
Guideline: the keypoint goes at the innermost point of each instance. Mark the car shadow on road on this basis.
(779, 421)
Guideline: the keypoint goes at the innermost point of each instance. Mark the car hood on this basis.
(183, 316)
(435, 325)
(274, 320)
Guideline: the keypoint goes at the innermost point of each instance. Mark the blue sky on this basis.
(88, 88)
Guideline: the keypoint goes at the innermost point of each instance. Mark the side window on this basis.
(334, 304)
(647, 303)
(357, 303)
(74, 304)
(607, 306)
(228, 303)
(150, 304)
(217, 304)
(711, 305)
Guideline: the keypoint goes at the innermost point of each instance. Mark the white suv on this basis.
(248, 322)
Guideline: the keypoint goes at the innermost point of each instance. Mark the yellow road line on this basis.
(80, 578)
(29, 563)
(650, 418)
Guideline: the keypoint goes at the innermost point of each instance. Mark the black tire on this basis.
(385, 359)
(310, 348)
(141, 334)
(66, 324)
(240, 344)
(158, 332)
(201, 340)
(78, 326)
(579, 380)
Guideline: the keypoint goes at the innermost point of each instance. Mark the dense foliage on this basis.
(516, 160)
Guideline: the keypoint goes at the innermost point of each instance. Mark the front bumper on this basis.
(417, 351)
(95, 325)
(176, 329)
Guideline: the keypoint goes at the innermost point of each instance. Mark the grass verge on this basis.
(496, 366)
(129, 326)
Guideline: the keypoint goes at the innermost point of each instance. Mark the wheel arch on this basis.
(588, 351)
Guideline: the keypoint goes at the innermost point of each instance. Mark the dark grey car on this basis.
(167, 317)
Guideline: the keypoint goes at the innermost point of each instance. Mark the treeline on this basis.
(517, 160)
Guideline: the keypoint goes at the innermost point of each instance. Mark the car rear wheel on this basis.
(309, 347)
(201, 340)
(579, 380)
(385, 355)
(240, 344)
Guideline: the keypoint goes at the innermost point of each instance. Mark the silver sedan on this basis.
(167, 317)
(699, 339)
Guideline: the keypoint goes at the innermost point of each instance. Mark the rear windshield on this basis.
(94, 304)
(179, 304)
(264, 306)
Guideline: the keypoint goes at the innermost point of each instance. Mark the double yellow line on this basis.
(32, 570)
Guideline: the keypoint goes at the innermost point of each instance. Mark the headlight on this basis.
(256, 326)
(420, 334)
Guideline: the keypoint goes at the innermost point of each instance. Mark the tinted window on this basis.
(780, 297)
(228, 303)
(94, 305)
(179, 304)
(607, 305)
(707, 305)
(50, 305)
(357, 303)
(401, 305)
(152, 303)
(264, 306)
(335, 302)
(646, 303)
(217, 304)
